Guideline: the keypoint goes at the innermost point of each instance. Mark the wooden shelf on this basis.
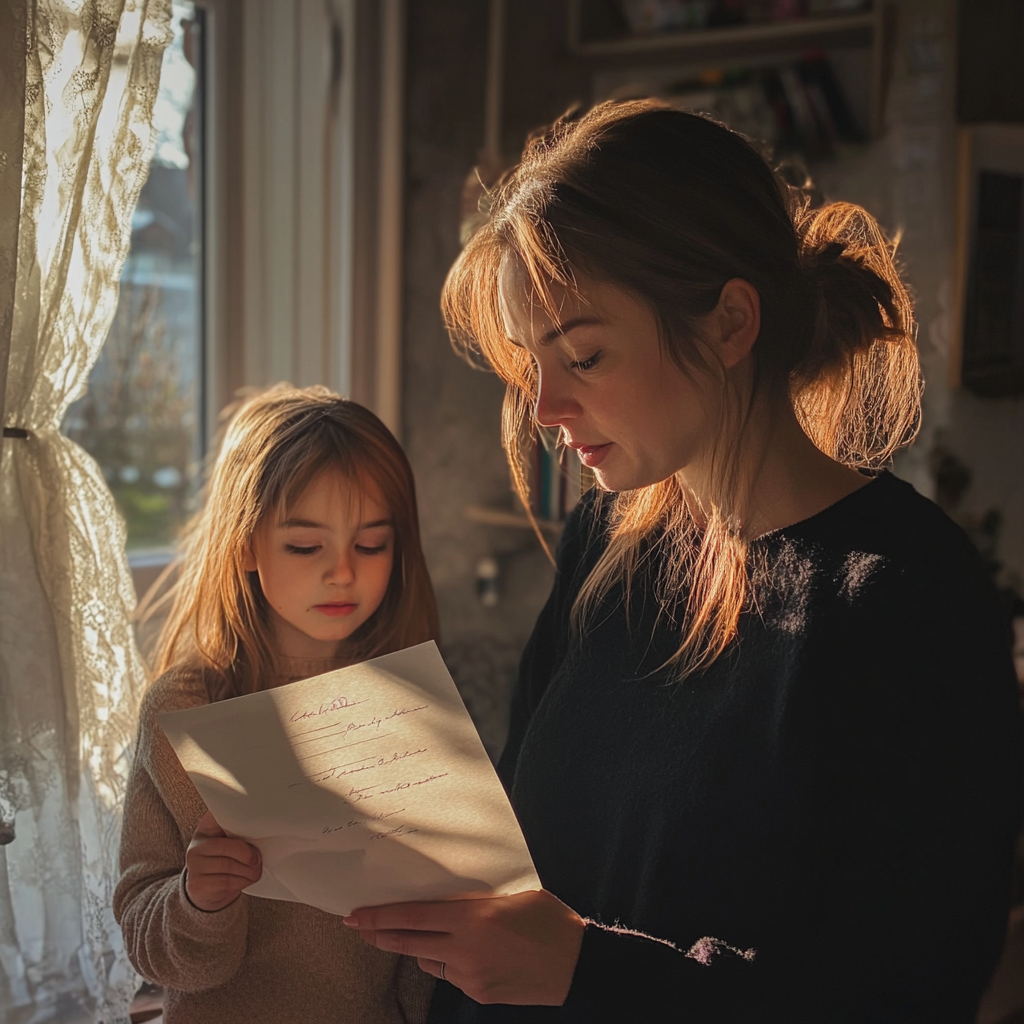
(872, 31)
(740, 40)
(500, 517)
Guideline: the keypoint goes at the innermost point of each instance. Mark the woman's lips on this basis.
(592, 455)
(335, 609)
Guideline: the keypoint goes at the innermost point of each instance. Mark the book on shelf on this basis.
(555, 481)
(653, 17)
(797, 106)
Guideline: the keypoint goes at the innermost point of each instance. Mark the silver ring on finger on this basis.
(443, 978)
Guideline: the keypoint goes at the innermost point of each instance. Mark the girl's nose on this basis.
(340, 572)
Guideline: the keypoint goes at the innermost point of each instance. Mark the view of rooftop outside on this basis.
(140, 418)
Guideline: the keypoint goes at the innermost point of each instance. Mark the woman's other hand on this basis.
(518, 949)
(217, 867)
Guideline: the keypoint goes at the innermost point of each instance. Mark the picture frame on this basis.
(987, 340)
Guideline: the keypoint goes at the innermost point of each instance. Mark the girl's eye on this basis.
(294, 549)
(365, 549)
(585, 364)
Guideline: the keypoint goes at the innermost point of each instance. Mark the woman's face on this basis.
(604, 378)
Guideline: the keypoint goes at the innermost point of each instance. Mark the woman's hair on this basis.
(670, 206)
(275, 445)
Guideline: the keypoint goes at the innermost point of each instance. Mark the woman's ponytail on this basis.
(857, 386)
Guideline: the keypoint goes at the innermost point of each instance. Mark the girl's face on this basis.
(325, 568)
(603, 377)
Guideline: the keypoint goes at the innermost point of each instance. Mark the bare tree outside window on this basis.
(140, 418)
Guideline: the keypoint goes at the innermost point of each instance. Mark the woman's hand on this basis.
(218, 868)
(518, 949)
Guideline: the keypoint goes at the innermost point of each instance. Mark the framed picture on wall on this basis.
(987, 355)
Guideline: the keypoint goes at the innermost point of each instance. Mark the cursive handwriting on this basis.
(356, 726)
(401, 830)
(352, 823)
(406, 711)
(340, 770)
(384, 761)
(338, 704)
(406, 785)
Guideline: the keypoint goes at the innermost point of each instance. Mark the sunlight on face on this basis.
(325, 568)
(604, 378)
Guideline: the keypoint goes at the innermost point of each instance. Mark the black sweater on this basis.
(819, 827)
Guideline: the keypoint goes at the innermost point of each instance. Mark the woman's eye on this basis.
(295, 549)
(365, 549)
(586, 364)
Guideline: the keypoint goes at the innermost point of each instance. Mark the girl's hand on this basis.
(518, 949)
(218, 868)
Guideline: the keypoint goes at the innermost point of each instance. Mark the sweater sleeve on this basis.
(169, 940)
(911, 741)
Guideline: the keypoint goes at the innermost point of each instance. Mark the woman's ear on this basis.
(737, 321)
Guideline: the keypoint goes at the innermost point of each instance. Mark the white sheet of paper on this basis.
(364, 786)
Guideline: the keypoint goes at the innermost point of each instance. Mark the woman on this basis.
(763, 745)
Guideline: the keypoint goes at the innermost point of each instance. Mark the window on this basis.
(266, 243)
(141, 417)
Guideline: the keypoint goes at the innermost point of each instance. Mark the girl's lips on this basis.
(335, 609)
(592, 455)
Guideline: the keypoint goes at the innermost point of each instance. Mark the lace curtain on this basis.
(70, 675)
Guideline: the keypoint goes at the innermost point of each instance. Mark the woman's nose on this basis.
(554, 405)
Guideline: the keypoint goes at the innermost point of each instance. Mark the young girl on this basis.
(306, 557)
(764, 742)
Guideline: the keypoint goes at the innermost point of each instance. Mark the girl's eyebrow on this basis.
(312, 524)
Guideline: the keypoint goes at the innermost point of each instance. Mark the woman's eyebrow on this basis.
(376, 522)
(569, 325)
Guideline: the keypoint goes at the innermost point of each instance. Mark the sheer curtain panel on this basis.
(80, 79)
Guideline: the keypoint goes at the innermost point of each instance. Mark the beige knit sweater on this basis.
(257, 960)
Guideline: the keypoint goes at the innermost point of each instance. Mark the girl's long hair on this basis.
(670, 206)
(274, 445)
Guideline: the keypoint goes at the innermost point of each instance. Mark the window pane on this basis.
(140, 418)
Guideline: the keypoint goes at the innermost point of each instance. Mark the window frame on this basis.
(332, 79)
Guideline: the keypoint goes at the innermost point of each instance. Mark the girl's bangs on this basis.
(300, 465)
